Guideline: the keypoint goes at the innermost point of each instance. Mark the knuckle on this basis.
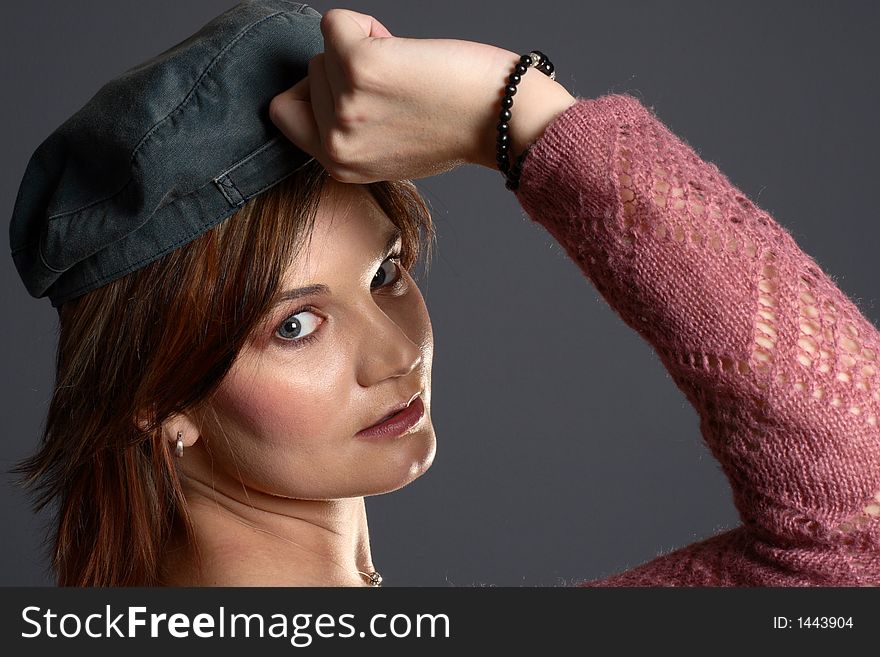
(340, 173)
(330, 16)
(338, 163)
(346, 176)
(348, 111)
(336, 146)
(367, 68)
(275, 109)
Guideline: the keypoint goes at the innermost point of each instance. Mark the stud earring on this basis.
(178, 447)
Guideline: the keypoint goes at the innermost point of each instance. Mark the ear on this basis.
(180, 425)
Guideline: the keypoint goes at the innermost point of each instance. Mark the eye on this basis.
(382, 278)
(298, 326)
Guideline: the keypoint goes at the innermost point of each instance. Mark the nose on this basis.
(386, 351)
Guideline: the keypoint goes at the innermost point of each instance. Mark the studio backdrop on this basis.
(565, 451)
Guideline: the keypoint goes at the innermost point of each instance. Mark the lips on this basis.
(394, 410)
(398, 425)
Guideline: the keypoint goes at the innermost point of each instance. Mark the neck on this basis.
(259, 539)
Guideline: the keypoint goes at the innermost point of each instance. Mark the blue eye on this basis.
(381, 278)
(298, 325)
(299, 328)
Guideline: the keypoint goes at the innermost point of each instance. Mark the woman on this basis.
(777, 361)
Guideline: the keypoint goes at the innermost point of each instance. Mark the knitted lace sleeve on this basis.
(780, 365)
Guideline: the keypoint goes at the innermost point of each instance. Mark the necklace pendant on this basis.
(373, 577)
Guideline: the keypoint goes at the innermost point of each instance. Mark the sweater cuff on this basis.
(567, 168)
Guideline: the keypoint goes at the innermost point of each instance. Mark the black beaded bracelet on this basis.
(541, 62)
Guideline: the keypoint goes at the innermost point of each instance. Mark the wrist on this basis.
(537, 102)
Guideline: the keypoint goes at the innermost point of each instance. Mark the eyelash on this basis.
(296, 343)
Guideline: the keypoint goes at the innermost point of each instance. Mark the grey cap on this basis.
(162, 153)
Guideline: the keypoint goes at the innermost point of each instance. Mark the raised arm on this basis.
(780, 365)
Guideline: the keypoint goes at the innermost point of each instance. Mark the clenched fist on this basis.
(378, 107)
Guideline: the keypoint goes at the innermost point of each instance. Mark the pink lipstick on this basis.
(398, 424)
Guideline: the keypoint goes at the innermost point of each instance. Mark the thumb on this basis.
(291, 112)
(343, 28)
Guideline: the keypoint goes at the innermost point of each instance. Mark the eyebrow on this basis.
(321, 288)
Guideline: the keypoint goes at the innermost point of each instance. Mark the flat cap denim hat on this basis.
(162, 153)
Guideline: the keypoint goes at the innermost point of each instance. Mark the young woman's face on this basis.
(324, 366)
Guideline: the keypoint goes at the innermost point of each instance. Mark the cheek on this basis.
(281, 405)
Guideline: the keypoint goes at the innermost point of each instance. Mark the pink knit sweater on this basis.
(780, 365)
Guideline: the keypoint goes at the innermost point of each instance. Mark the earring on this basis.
(178, 447)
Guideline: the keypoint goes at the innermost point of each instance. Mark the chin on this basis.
(414, 462)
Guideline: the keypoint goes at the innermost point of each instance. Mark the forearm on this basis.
(780, 365)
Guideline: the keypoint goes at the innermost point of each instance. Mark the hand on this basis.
(378, 107)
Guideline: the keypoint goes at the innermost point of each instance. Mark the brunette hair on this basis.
(156, 343)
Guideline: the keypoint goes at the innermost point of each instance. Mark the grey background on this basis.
(565, 451)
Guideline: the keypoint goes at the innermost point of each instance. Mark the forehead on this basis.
(349, 227)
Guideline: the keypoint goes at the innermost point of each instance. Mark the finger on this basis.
(378, 30)
(343, 28)
(301, 90)
(323, 103)
(292, 113)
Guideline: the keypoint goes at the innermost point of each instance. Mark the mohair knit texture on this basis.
(780, 365)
